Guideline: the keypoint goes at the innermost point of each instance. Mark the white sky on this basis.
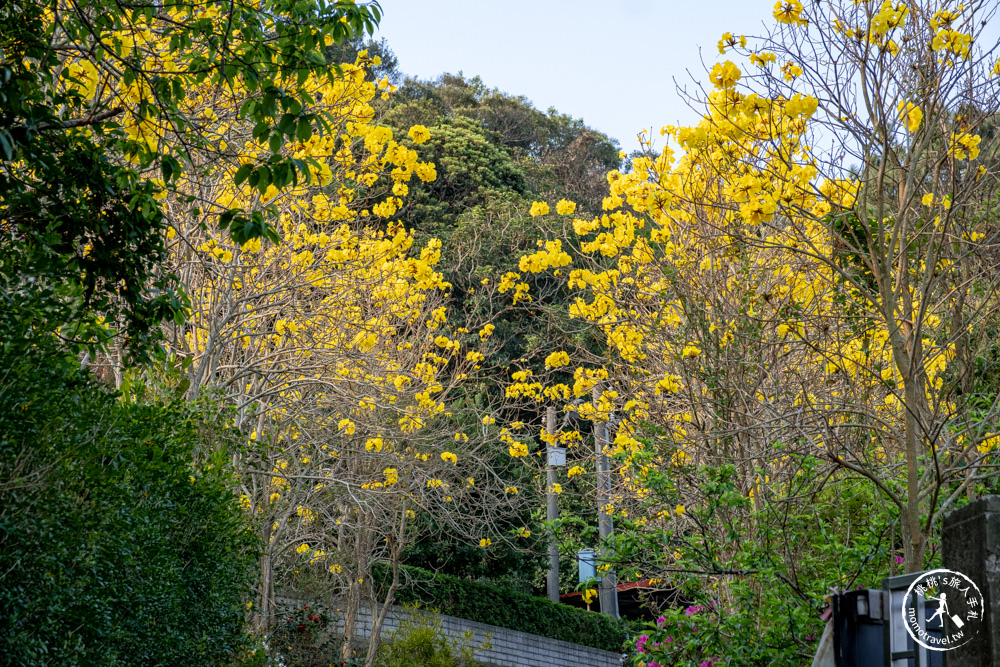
(611, 63)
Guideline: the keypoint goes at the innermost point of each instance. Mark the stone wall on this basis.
(506, 648)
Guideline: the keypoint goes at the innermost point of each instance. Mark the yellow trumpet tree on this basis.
(808, 265)
(333, 341)
(273, 182)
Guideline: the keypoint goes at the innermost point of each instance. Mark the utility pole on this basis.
(551, 507)
(608, 593)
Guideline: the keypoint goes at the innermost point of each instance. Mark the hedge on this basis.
(475, 601)
(115, 549)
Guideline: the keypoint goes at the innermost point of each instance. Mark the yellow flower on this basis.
(927, 199)
(346, 426)
(556, 488)
(539, 208)
(448, 457)
(485, 542)
(524, 532)
(302, 548)
(989, 443)
(791, 70)
(801, 106)
(486, 332)
(419, 134)
(762, 58)
(517, 450)
(589, 595)
(911, 115)
(789, 11)
(557, 360)
(728, 41)
(680, 510)
(574, 471)
(512, 490)
(961, 143)
(489, 421)
(724, 75)
(690, 351)
(565, 207)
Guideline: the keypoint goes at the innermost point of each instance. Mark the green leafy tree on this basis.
(96, 121)
(116, 547)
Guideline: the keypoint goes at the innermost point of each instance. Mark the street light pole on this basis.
(608, 593)
(551, 509)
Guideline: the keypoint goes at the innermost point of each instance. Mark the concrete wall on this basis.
(507, 648)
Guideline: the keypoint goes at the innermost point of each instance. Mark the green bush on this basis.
(474, 601)
(114, 548)
(420, 642)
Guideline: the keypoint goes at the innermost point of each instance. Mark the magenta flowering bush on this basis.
(675, 639)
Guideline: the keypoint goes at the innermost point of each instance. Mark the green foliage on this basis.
(302, 637)
(471, 169)
(495, 153)
(777, 562)
(92, 242)
(420, 642)
(559, 155)
(476, 601)
(347, 52)
(77, 202)
(114, 548)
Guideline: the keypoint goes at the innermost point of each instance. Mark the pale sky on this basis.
(611, 63)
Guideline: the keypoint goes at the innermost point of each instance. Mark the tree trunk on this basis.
(913, 537)
(265, 614)
(378, 620)
(350, 618)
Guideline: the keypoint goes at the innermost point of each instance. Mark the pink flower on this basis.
(692, 610)
(640, 643)
(899, 560)
(661, 621)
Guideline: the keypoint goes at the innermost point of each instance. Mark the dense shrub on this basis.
(475, 601)
(114, 548)
(420, 642)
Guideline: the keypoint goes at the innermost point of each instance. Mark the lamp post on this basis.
(555, 456)
(608, 592)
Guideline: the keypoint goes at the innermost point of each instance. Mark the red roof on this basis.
(626, 586)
